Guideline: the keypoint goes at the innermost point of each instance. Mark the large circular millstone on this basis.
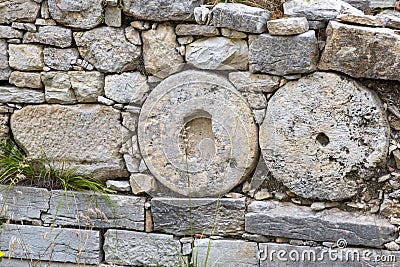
(197, 134)
(322, 133)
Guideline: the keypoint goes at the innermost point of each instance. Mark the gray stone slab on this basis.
(194, 29)
(250, 82)
(50, 35)
(55, 244)
(8, 262)
(225, 253)
(285, 255)
(9, 32)
(15, 94)
(382, 3)
(26, 57)
(363, 5)
(5, 70)
(274, 218)
(21, 203)
(162, 10)
(240, 17)
(141, 249)
(60, 59)
(176, 216)
(283, 55)
(86, 209)
(18, 10)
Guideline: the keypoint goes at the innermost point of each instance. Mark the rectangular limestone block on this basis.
(50, 244)
(274, 218)
(13, 94)
(86, 209)
(223, 216)
(21, 203)
(141, 249)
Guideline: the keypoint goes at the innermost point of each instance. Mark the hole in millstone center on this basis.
(199, 135)
(323, 139)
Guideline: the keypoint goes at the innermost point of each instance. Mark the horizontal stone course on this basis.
(13, 94)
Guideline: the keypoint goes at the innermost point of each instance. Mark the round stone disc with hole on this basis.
(322, 133)
(197, 134)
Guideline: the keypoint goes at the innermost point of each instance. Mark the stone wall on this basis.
(231, 139)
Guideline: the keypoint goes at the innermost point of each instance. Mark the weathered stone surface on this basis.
(86, 209)
(135, 248)
(322, 154)
(282, 55)
(128, 87)
(284, 219)
(30, 27)
(45, 22)
(366, 20)
(232, 33)
(290, 255)
(51, 35)
(219, 153)
(249, 82)
(20, 203)
(260, 175)
(130, 120)
(113, 16)
(84, 14)
(352, 50)
(57, 86)
(255, 100)
(92, 139)
(218, 53)
(176, 216)
(26, 57)
(318, 9)
(14, 94)
(287, 26)
(363, 5)
(382, 3)
(5, 70)
(141, 183)
(9, 32)
(193, 29)
(133, 35)
(26, 79)
(120, 186)
(240, 17)
(4, 129)
(87, 85)
(391, 18)
(71, 245)
(60, 59)
(160, 55)
(9, 262)
(161, 10)
(227, 253)
(18, 10)
(107, 49)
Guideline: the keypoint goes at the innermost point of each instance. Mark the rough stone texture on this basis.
(249, 82)
(8, 32)
(283, 55)
(366, 20)
(226, 253)
(133, 35)
(18, 10)
(287, 26)
(51, 35)
(128, 87)
(318, 9)
(391, 18)
(84, 14)
(120, 186)
(30, 27)
(209, 216)
(8, 262)
(322, 133)
(5, 70)
(273, 218)
(141, 183)
(113, 16)
(4, 129)
(193, 29)
(323, 256)
(26, 79)
(232, 33)
(87, 85)
(240, 17)
(135, 248)
(382, 3)
(26, 57)
(160, 55)
(130, 120)
(86, 209)
(60, 59)
(107, 49)
(353, 49)
(33, 243)
(92, 136)
(255, 100)
(23, 203)
(221, 141)
(218, 53)
(363, 5)
(58, 88)
(12, 94)
(161, 10)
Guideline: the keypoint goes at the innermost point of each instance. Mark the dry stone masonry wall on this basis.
(232, 138)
